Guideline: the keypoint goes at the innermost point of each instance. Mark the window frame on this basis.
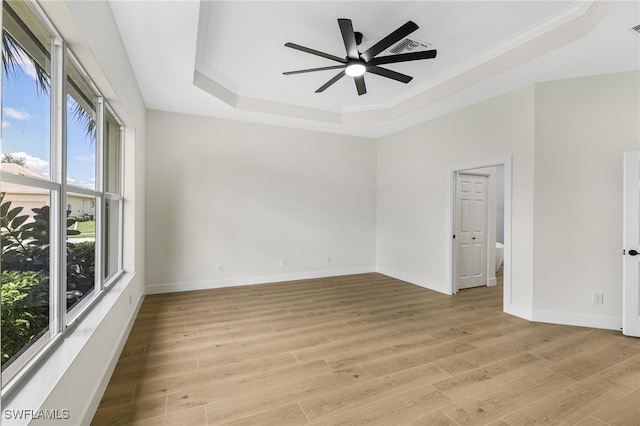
(63, 321)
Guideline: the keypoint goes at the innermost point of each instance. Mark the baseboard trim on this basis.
(256, 279)
(519, 311)
(412, 280)
(580, 320)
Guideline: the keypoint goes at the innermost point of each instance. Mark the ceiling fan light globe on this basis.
(355, 70)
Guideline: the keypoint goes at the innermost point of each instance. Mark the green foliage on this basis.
(25, 244)
(25, 309)
(80, 270)
(25, 264)
(83, 218)
(8, 158)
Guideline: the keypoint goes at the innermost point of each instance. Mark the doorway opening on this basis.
(480, 225)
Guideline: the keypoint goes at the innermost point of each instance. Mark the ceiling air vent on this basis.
(635, 29)
(408, 45)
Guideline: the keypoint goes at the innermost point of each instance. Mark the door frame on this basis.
(506, 162)
(630, 285)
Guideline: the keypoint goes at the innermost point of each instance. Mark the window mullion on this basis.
(121, 161)
(121, 204)
(100, 202)
(58, 242)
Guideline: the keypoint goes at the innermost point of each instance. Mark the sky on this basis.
(26, 128)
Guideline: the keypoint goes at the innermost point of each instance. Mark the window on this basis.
(61, 191)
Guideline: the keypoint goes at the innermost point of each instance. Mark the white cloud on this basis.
(32, 163)
(25, 64)
(5, 124)
(16, 114)
(91, 157)
(82, 183)
(28, 68)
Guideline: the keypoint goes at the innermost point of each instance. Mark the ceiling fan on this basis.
(356, 64)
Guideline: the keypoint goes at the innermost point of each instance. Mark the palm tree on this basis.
(13, 54)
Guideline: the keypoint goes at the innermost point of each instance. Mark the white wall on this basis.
(582, 128)
(414, 183)
(246, 196)
(73, 377)
(566, 139)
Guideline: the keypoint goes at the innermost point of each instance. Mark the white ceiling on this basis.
(225, 58)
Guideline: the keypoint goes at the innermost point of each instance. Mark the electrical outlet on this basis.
(282, 262)
(220, 268)
(329, 259)
(598, 298)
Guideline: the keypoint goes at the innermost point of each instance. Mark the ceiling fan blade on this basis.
(403, 57)
(333, 67)
(330, 82)
(349, 38)
(389, 74)
(360, 86)
(389, 40)
(316, 52)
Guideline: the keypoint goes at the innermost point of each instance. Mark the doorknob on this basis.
(633, 252)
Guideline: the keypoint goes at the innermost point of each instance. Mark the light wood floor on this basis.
(364, 349)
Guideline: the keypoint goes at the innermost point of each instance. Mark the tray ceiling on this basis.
(226, 58)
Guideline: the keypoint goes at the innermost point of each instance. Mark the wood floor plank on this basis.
(283, 394)
(408, 359)
(210, 386)
(287, 415)
(120, 392)
(391, 346)
(196, 416)
(499, 422)
(479, 380)
(592, 421)
(395, 410)
(586, 364)
(626, 372)
(433, 418)
(624, 411)
(364, 349)
(127, 413)
(242, 365)
(477, 357)
(489, 406)
(584, 341)
(340, 400)
(572, 404)
(345, 344)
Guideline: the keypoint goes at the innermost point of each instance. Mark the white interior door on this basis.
(631, 241)
(471, 230)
